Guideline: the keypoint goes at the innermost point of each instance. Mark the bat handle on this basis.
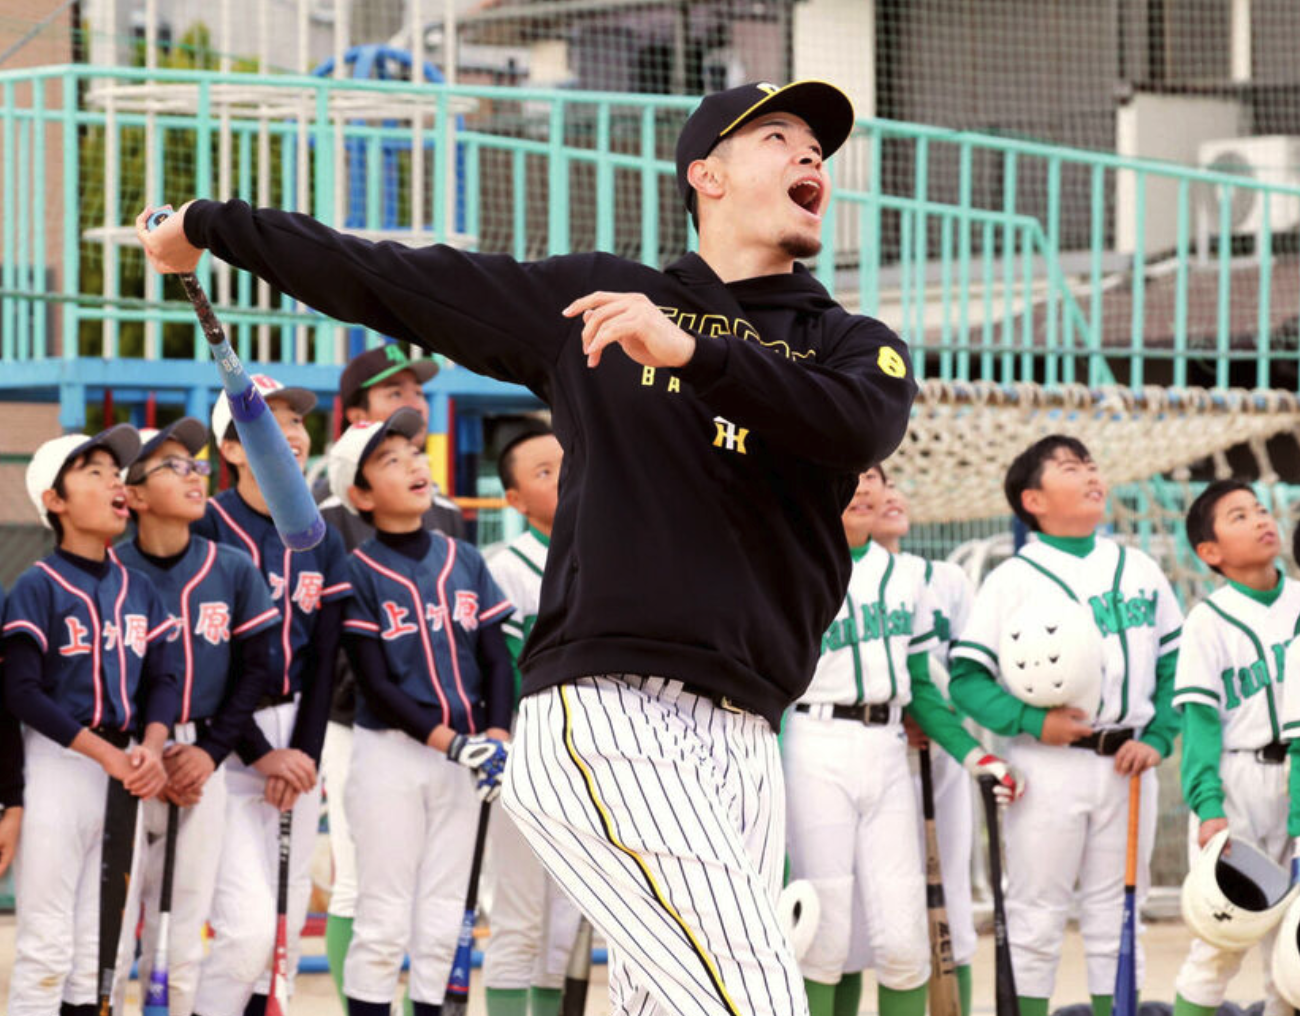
(1134, 827)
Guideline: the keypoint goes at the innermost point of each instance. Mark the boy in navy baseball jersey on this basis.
(225, 629)
(433, 672)
(283, 744)
(87, 669)
(11, 774)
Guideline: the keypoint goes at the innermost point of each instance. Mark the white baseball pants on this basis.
(662, 816)
(243, 906)
(853, 819)
(335, 764)
(1255, 800)
(56, 884)
(200, 833)
(413, 814)
(1070, 833)
(533, 923)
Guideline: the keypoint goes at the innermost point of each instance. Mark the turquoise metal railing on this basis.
(995, 257)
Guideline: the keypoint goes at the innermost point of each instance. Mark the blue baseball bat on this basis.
(1126, 1000)
(296, 516)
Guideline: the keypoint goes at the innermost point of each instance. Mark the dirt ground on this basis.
(1166, 944)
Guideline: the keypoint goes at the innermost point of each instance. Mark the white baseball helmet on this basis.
(799, 911)
(1232, 900)
(1286, 955)
(1051, 654)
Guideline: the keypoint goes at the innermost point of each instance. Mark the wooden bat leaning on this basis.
(117, 852)
(157, 999)
(457, 998)
(1007, 1002)
(295, 514)
(277, 999)
(577, 977)
(1126, 1001)
(945, 995)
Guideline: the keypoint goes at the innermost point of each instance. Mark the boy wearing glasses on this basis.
(224, 626)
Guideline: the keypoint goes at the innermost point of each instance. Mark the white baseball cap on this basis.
(359, 442)
(301, 400)
(121, 441)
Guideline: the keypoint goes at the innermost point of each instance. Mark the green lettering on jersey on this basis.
(1230, 700)
(942, 627)
(1113, 612)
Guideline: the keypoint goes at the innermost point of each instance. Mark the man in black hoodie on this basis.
(697, 555)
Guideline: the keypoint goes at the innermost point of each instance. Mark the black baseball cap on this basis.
(822, 106)
(374, 365)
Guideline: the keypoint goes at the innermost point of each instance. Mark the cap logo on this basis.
(764, 86)
(395, 353)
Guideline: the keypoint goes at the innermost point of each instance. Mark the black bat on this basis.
(277, 999)
(118, 850)
(1008, 1004)
(945, 995)
(157, 999)
(573, 1002)
(457, 997)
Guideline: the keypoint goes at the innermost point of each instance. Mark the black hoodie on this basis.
(698, 535)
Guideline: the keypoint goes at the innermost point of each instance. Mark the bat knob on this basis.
(158, 218)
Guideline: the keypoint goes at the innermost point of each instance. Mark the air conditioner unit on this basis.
(1267, 158)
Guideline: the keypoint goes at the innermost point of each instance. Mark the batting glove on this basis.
(485, 757)
(1009, 785)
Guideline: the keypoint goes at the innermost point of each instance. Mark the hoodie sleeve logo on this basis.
(891, 362)
(729, 436)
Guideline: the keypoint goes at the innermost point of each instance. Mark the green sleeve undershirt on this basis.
(1293, 785)
(515, 643)
(1163, 728)
(1202, 748)
(933, 714)
(977, 693)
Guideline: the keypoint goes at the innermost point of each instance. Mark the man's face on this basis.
(386, 397)
(777, 187)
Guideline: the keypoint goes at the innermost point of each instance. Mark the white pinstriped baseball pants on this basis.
(663, 817)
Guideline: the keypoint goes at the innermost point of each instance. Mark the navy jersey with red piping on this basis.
(300, 581)
(426, 616)
(216, 596)
(93, 635)
(11, 744)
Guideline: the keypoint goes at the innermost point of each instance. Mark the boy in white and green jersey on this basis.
(1232, 662)
(852, 812)
(1066, 840)
(533, 922)
(951, 596)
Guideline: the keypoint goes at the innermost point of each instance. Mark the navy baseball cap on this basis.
(187, 431)
(822, 106)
